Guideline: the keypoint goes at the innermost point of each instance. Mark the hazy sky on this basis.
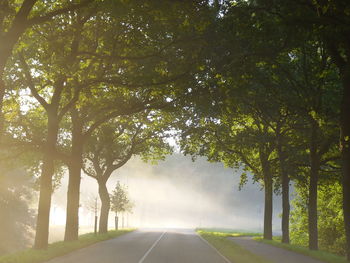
(178, 193)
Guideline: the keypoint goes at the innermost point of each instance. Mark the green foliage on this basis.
(120, 199)
(274, 99)
(125, 75)
(17, 219)
(330, 223)
(228, 232)
(331, 219)
(17, 193)
(298, 219)
(116, 141)
(76, 69)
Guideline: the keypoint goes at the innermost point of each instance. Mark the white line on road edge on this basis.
(150, 249)
(217, 251)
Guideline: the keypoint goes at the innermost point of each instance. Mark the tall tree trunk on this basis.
(268, 207)
(42, 226)
(345, 151)
(312, 204)
(285, 192)
(268, 186)
(285, 208)
(116, 221)
(73, 198)
(105, 206)
(73, 195)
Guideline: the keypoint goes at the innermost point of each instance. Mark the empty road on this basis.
(148, 246)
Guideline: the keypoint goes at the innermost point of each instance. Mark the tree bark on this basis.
(116, 221)
(312, 204)
(268, 186)
(105, 206)
(73, 198)
(285, 208)
(268, 208)
(42, 226)
(345, 152)
(285, 192)
(73, 195)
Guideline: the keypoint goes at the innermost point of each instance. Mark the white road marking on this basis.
(217, 251)
(150, 249)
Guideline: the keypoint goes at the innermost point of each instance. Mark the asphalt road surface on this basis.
(148, 246)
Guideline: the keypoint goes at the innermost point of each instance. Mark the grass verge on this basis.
(321, 255)
(59, 248)
(229, 249)
(229, 232)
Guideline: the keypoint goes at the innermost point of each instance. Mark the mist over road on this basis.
(146, 246)
(177, 193)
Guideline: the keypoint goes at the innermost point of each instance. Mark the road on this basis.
(148, 246)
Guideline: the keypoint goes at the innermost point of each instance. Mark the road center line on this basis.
(210, 245)
(150, 249)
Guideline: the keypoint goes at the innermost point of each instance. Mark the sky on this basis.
(177, 193)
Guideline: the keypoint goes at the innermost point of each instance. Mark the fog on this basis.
(175, 193)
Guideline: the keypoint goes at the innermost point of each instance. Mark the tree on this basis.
(52, 91)
(17, 219)
(328, 22)
(256, 43)
(115, 142)
(120, 201)
(304, 89)
(311, 79)
(92, 205)
(133, 79)
(97, 48)
(230, 132)
(331, 219)
(15, 19)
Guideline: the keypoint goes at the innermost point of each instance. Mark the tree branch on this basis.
(70, 104)
(88, 173)
(240, 154)
(48, 16)
(31, 85)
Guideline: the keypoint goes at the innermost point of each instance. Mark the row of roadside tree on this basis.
(258, 85)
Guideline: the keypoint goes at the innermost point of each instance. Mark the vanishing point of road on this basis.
(148, 246)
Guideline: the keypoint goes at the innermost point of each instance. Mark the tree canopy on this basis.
(259, 85)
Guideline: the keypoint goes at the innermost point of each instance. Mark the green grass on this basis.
(59, 248)
(321, 255)
(230, 232)
(229, 249)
